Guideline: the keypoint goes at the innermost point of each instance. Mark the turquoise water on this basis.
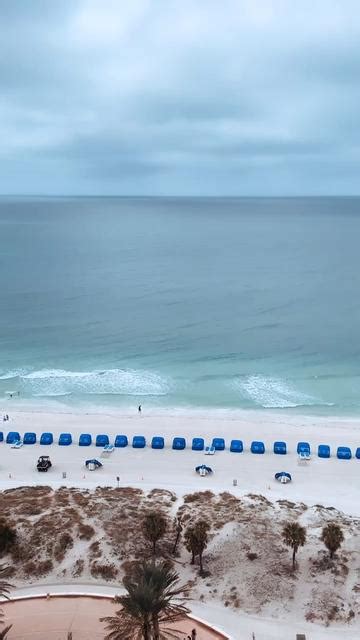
(227, 303)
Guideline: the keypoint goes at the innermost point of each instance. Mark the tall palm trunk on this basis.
(155, 627)
(201, 563)
(293, 557)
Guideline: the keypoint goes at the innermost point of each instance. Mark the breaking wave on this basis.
(274, 393)
(55, 382)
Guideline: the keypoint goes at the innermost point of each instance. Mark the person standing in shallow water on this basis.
(139, 408)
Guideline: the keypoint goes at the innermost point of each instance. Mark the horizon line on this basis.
(185, 196)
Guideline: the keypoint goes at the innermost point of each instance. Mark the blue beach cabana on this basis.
(198, 444)
(257, 447)
(323, 451)
(157, 442)
(102, 440)
(218, 444)
(343, 453)
(85, 440)
(46, 438)
(357, 453)
(1, 436)
(121, 441)
(280, 448)
(138, 442)
(303, 447)
(12, 436)
(29, 438)
(179, 443)
(236, 446)
(65, 439)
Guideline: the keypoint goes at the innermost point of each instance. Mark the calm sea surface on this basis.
(227, 303)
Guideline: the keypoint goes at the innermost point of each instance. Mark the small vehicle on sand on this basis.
(44, 463)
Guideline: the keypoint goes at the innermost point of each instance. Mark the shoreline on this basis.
(16, 406)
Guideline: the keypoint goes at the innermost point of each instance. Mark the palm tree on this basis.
(149, 604)
(332, 537)
(196, 541)
(178, 528)
(294, 536)
(4, 591)
(154, 527)
(7, 536)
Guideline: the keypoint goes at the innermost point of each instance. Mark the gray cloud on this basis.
(166, 97)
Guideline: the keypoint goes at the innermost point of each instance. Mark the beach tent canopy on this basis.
(102, 440)
(65, 439)
(85, 440)
(95, 462)
(29, 438)
(157, 442)
(236, 446)
(138, 442)
(303, 447)
(280, 448)
(204, 467)
(343, 453)
(257, 447)
(121, 441)
(323, 451)
(218, 444)
(46, 438)
(1, 436)
(198, 444)
(357, 453)
(179, 443)
(12, 436)
(283, 476)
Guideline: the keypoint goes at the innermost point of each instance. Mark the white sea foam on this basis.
(55, 382)
(274, 393)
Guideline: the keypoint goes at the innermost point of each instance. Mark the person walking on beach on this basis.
(139, 408)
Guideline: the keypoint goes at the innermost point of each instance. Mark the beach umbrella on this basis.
(94, 462)
(203, 467)
(283, 476)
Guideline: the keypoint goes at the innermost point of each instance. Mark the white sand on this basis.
(329, 482)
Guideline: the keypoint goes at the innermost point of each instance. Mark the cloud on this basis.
(162, 97)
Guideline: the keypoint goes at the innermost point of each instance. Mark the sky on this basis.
(180, 97)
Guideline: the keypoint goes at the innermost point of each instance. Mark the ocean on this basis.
(181, 303)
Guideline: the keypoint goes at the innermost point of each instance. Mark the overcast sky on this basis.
(188, 97)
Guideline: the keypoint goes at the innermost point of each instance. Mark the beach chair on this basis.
(209, 451)
(236, 446)
(280, 448)
(343, 453)
(46, 438)
(179, 443)
(29, 438)
(157, 442)
(257, 447)
(198, 444)
(202, 472)
(102, 440)
(12, 436)
(17, 444)
(218, 444)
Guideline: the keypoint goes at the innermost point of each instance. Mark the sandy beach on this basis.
(324, 481)
(268, 602)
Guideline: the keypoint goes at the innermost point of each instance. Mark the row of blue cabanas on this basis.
(179, 443)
